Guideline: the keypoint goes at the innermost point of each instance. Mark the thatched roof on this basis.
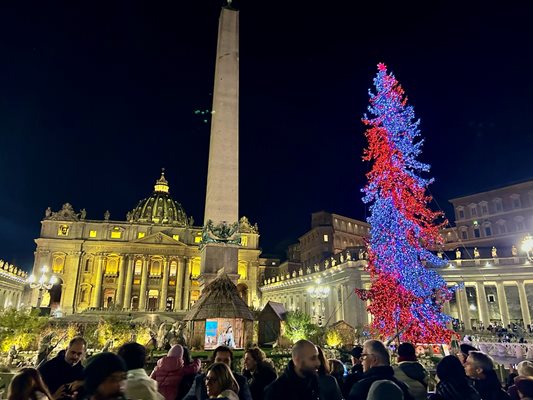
(219, 299)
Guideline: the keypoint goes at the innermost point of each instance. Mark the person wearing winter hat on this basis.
(411, 372)
(138, 384)
(385, 390)
(105, 377)
(170, 371)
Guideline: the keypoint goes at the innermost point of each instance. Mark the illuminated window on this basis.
(111, 267)
(58, 264)
(138, 267)
(92, 234)
(155, 268)
(140, 235)
(197, 239)
(173, 268)
(195, 295)
(137, 271)
(242, 270)
(176, 237)
(195, 267)
(62, 230)
(326, 238)
(116, 235)
(244, 241)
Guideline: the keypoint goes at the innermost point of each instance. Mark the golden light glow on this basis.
(244, 241)
(140, 235)
(176, 237)
(197, 239)
(116, 234)
(92, 234)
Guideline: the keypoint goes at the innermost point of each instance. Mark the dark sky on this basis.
(96, 97)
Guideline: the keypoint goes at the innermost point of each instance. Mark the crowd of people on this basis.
(309, 375)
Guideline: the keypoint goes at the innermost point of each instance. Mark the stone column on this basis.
(119, 301)
(524, 306)
(502, 303)
(482, 304)
(97, 297)
(129, 281)
(351, 305)
(462, 303)
(187, 286)
(144, 284)
(164, 287)
(178, 297)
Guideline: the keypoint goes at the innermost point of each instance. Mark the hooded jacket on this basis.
(415, 376)
(291, 386)
(140, 386)
(170, 370)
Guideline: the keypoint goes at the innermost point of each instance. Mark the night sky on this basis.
(96, 98)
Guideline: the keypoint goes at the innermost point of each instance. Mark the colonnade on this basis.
(10, 298)
(130, 281)
(482, 306)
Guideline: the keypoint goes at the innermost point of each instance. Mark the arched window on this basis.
(155, 268)
(58, 263)
(242, 270)
(173, 268)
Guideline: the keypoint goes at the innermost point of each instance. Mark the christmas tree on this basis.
(405, 296)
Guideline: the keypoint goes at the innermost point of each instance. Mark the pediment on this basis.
(159, 238)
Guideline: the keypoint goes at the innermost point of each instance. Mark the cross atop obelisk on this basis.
(221, 236)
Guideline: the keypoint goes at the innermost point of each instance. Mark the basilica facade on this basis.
(150, 261)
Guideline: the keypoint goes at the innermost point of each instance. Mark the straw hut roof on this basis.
(219, 299)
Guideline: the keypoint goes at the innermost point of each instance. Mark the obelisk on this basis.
(220, 237)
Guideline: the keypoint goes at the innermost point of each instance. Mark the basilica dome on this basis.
(159, 208)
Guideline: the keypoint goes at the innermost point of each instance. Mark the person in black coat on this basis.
(376, 366)
(356, 372)
(453, 383)
(480, 368)
(63, 374)
(222, 354)
(301, 380)
(258, 371)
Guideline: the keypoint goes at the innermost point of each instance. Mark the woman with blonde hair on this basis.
(28, 385)
(221, 383)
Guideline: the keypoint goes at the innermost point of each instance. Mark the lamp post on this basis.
(527, 247)
(320, 293)
(44, 283)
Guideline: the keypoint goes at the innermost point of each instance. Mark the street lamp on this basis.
(320, 293)
(44, 283)
(527, 246)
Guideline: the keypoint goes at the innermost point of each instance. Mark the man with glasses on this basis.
(222, 354)
(375, 359)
